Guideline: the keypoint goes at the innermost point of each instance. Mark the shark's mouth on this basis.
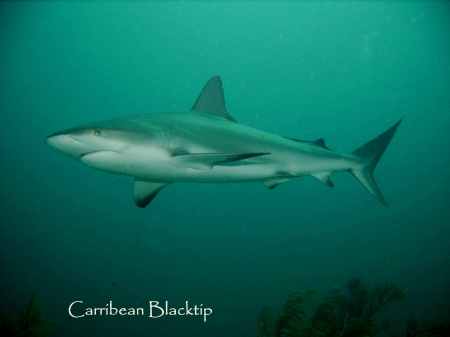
(91, 153)
(87, 153)
(99, 156)
(106, 160)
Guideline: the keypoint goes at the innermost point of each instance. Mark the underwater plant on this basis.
(29, 323)
(265, 327)
(414, 328)
(347, 312)
(291, 318)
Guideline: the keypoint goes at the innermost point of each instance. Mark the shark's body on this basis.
(206, 145)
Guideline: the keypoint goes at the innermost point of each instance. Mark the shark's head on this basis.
(79, 142)
(114, 146)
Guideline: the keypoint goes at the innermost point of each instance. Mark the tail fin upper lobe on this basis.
(369, 154)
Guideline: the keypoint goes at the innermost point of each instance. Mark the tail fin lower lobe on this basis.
(370, 154)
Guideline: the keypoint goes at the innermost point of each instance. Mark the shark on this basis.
(207, 145)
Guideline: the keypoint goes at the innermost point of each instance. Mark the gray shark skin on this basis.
(208, 145)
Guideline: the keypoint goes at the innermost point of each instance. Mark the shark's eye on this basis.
(97, 132)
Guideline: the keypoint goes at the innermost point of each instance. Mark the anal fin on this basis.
(324, 177)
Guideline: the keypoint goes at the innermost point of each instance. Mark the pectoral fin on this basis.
(145, 192)
(209, 160)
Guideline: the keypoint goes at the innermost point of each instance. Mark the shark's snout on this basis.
(77, 142)
(67, 143)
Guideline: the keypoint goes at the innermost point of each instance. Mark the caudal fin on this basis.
(369, 154)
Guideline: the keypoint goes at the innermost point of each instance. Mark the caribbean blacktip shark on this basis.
(207, 145)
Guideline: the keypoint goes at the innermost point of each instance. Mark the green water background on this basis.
(344, 71)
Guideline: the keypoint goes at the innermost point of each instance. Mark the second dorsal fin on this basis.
(319, 142)
(211, 99)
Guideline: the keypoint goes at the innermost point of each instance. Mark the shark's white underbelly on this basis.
(235, 173)
(158, 165)
(169, 169)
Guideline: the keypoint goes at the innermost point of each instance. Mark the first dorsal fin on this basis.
(211, 99)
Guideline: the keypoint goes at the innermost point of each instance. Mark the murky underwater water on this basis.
(344, 71)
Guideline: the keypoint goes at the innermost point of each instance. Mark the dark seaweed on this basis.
(347, 312)
(28, 323)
